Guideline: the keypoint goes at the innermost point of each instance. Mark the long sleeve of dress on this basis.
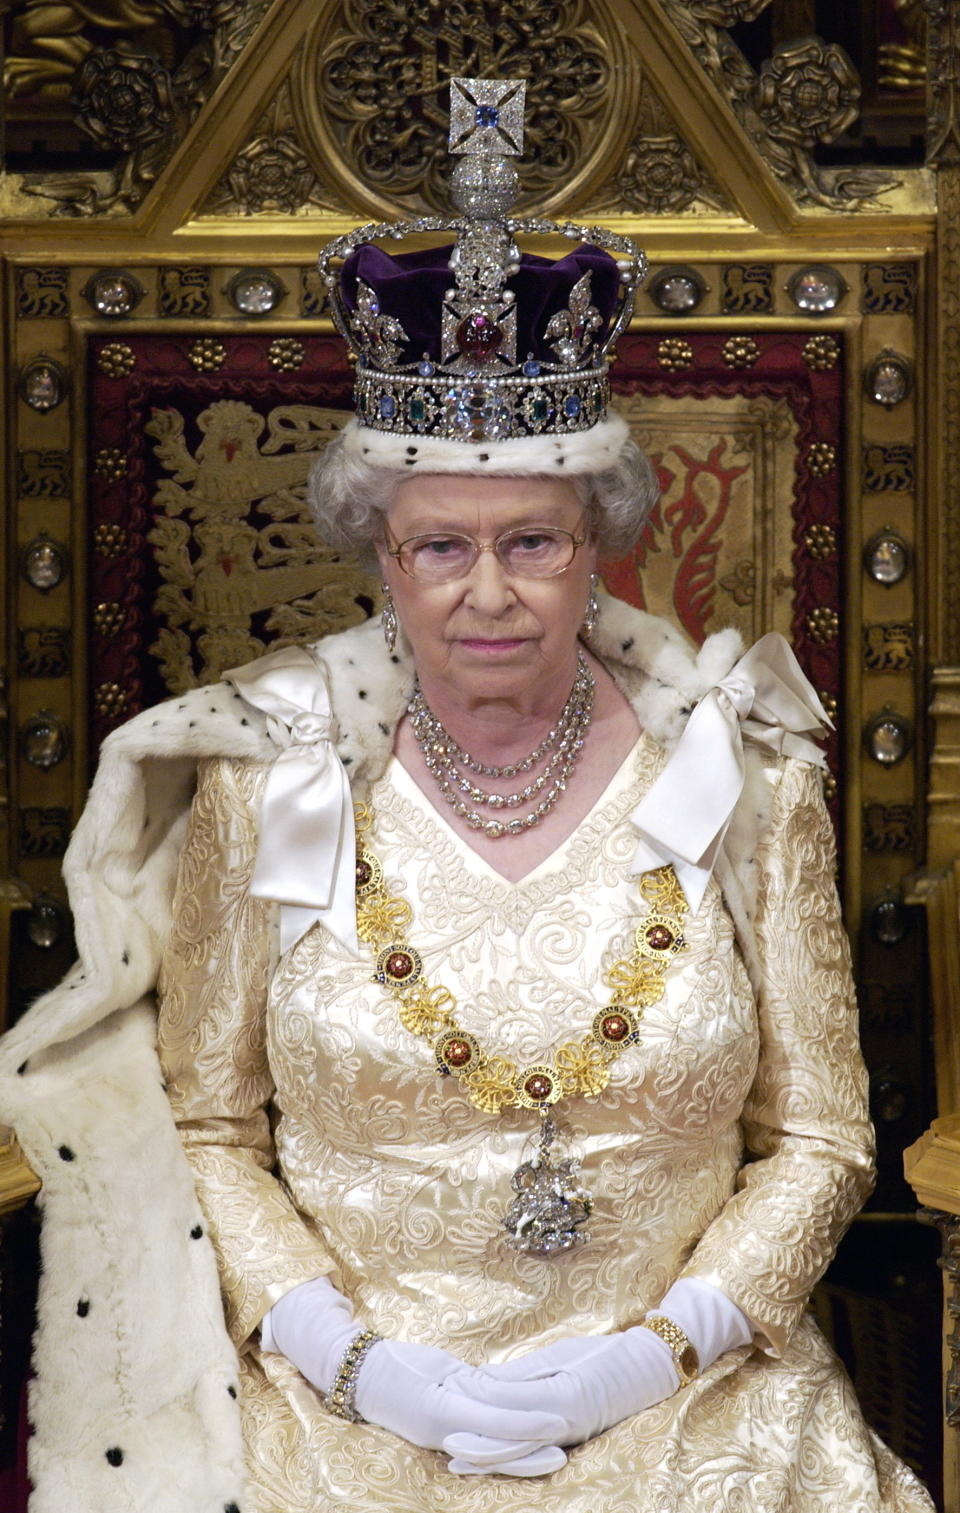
(213, 990)
(806, 1129)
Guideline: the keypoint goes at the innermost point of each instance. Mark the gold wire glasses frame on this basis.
(527, 551)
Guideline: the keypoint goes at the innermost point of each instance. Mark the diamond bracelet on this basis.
(340, 1396)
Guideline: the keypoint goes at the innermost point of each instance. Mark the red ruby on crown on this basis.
(479, 337)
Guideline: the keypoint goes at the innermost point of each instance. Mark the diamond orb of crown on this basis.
(484, 187)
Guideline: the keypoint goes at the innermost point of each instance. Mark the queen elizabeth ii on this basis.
(505, 1012)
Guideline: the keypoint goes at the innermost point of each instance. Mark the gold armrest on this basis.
(932, 1165)
(18, 1180)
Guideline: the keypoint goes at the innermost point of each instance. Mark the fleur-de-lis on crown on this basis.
(384, 332)
(570, 332)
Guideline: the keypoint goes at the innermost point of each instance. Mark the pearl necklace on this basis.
(562, 746)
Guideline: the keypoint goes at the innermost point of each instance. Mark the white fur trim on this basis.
(130, 1354)
(572, 452)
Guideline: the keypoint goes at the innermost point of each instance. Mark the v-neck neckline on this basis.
(624, 776)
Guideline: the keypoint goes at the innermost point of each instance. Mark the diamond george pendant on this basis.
(551, 1207)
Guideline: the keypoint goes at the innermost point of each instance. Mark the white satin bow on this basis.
(684, 817)
(306, 857)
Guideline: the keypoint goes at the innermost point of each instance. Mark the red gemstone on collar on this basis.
(457, 1053)
(614, 1027)
(659, 938)
(398, 965)
(538, 1087)
(364, 873)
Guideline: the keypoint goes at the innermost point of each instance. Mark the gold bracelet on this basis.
(340, 1396)
(685, 1359)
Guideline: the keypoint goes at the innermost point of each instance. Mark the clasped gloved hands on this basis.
(589, 1382)
(412, 1390)
(508, 1419)
(408, 1388)
(594, 1381)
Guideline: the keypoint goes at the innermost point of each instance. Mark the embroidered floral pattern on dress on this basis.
(399, 1172)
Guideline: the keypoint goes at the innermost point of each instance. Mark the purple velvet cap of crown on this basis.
(411, 286)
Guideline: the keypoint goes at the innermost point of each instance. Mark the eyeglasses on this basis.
(528, 551)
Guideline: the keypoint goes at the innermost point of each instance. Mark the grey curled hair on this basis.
(349, 499)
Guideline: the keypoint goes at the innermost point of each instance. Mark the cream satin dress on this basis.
(396, 1185)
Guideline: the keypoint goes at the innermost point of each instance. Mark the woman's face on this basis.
(490, 634)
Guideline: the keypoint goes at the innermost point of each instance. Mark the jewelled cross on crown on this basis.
(479, 322)
(486, 116)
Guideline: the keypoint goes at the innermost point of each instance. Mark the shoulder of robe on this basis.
(662, 672)
(368, 688)
(121, 865)
(204, 722)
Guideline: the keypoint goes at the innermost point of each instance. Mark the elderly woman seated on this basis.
(505, 1013)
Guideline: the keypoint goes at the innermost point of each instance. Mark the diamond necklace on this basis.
(564, 743)
(551, 1206)
(582, 681)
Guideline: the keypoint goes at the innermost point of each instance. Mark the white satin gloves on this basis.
(594, 1381)
(590, 1382)
(408, 1389)
(413, 1391)
(707, 1317)
(510, 1419)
